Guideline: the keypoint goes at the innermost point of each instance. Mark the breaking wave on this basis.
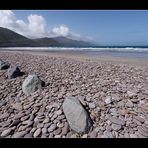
(78, 49)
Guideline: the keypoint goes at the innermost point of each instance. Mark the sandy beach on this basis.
(93, 80)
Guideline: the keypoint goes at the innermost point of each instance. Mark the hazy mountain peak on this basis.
(10, 38)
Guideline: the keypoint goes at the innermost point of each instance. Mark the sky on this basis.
(104, 27)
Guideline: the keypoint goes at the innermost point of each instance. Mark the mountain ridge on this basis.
(9, 38)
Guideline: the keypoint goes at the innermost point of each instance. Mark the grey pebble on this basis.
(57, 131)
(116, 127)
(140, 119)
(65, 129)
(46, 125)
(6, 132)
(3, 116)
(44, 130)
(126, 135)
(108, 134)
(19, 134)
(117, 121)
(30, 135)
(59, 112)
(51, 135)
(73, 136)
(37, 132)
(52, 128)
(92, 105)
(57, 136)
(15, 122)
(133, 136)
(93, 134)
(142, 131)
(60, 117)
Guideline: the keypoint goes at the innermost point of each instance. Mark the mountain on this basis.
(46, 42)
(9, 38)
(63, 41)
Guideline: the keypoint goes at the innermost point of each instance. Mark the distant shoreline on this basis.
(82, 56)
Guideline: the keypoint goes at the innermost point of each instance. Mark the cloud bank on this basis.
(35, 27)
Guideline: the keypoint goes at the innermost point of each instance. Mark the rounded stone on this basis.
(133, 136)
(93, 134)
(20, 134)
(91, 105)
(3, 65)
(57, 136)
(64, 129)
(6, 132)
(28, 135)
(108, 100)
(59, 112)
(52, 128)
(31, 84)
(116, 127)
(57, 131)
(13, 72)
(44, 130)
(77, 117)
(74, 136)
(37, 133)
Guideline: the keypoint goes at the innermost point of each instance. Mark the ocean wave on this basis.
(78, 49)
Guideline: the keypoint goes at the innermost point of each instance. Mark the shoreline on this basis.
(82, 56)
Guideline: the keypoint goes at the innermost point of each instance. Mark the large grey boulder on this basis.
(13, 72)
(31, 84)
(3, 65)
(76, 115)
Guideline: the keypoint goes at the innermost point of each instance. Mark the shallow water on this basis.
(141, 53)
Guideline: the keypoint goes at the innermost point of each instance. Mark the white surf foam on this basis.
(75, 49)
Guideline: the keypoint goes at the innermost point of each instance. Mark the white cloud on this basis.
(74, 36)
(35, 27)
(62, 30)
(7, 19)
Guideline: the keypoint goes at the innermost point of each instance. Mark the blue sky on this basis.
(103, 27)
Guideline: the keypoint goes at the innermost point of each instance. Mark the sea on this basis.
(114, 51)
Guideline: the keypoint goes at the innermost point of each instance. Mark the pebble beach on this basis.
(115, 96)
